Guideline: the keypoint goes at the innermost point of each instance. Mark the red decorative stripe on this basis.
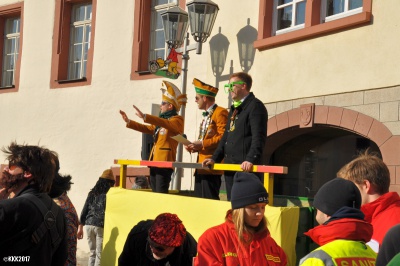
(157, 164)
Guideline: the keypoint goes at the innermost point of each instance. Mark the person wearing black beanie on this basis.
(243, 239)
(336, 194)
(342, 232)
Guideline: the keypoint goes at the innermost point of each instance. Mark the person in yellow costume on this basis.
(211, 129)
(162, 127)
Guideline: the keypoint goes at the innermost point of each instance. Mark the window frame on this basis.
(141, 39)
(61, 45)
(74, 27)
(10, 11)
(290, 28)
(313, 27)
(340, 15)
(10, 43)
(152, 46)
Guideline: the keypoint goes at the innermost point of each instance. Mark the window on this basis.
(334, 9)
(157, 39)
(80, 41)
(285, 21)
(10, 51)
(289, 15)
(10, 46)
(73, 40)
(148, 35)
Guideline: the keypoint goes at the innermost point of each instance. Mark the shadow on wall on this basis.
(219, 46)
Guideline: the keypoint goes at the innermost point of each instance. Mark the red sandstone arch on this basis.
(279, 130)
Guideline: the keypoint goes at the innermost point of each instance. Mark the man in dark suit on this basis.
(246, 130)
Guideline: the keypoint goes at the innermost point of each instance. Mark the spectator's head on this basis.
(141, 182)
(172, 98)
(103, 184)
(369, 173)
(247, 190)
(334, 195)
(109, 176)
(28, 164)
(248, 199)
(61, 184)
(166, 233)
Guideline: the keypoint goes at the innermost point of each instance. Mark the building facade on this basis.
(327, 71)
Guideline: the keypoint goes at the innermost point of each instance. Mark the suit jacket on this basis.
(247, 141)
(164, 148)
(213, 135)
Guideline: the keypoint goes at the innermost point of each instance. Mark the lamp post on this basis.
(202, 15)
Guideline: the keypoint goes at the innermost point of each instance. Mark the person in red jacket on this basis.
(380, 207)
(243, 239)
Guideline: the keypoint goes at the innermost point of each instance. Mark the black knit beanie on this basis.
(247, 189)
(336, 194)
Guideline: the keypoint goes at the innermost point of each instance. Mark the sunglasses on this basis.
(13, 166)
(155, 246)
(229, 87)
(164, 103)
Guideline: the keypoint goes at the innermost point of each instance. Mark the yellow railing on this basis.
(268, 170)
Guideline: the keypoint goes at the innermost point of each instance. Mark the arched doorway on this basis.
(316, 150)
(314, 157)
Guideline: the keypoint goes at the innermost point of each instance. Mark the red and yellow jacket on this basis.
(219, 246)
(164, 149)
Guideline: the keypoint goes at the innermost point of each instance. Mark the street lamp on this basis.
(175, 23)
(202, 15)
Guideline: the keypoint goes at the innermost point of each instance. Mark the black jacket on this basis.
(137, 251)
(390, 246)
(19, 218)
(93, 211)
(247, 141)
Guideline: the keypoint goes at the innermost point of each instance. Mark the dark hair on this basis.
(243, 77)
(102, 186)
(33, 159)
(61, 184)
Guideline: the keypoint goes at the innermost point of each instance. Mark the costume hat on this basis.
(204, 89)
(167, 230)
(247, 189)
(336, 194)
(108, 174)
(173, 95)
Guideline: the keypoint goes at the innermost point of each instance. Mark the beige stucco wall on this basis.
(353, 60)
(83, 124)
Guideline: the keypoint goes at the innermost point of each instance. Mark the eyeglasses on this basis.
(229, 87)
(164, 103)
(155, 246)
